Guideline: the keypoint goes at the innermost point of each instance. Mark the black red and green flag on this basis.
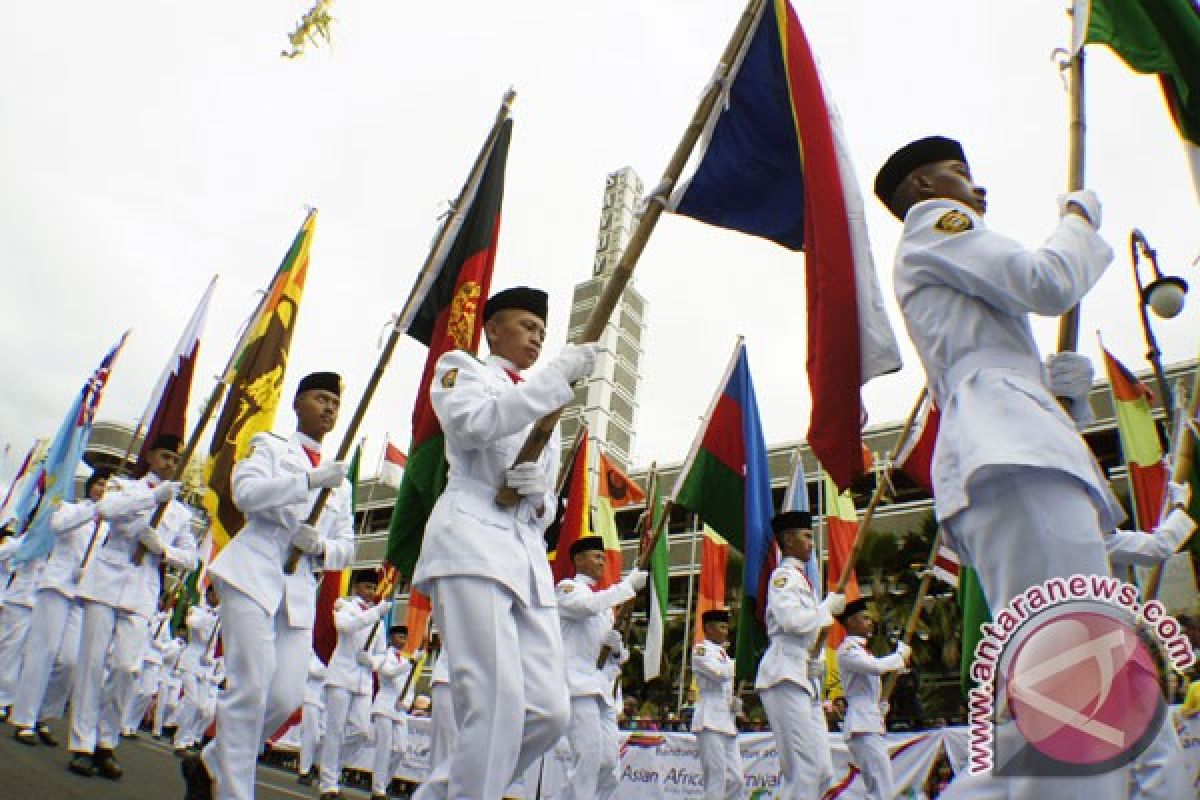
(450, 318)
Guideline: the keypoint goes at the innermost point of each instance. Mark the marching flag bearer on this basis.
(348, 678)
(787, 682)
(267, 615)
(865, 710)
(113, 592)
(196, 670)
(386, 710)
(713, 720)
(586, 617)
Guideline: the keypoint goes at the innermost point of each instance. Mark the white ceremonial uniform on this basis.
(586, 616)
(793, 704)
(387, 715)
(486, 571)
(266, 615)
(714, 724)
(169, 684)
(114, 592)
(1017, 491)
(50, 654)
(195, 671)
(312, 716)
(444, 732)
(348, 684)
(151, 673)
(863, 727)
(16, 617)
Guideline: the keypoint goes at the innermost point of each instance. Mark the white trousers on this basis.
(802, 739)
(14, 628)
(722, 764)
(441, 743)
(387, 760)
(508, 679)
(195, 710)
(345, 726)
(266, 665)
(143, 693)
(869, 753)
(311, 729)
(98, 700)
(594, 751)
(52, 648)
(62, 673)
(166, 700)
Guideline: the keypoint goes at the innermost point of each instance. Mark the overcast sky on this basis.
(149, 145)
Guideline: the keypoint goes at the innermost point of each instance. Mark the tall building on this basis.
(608, 402)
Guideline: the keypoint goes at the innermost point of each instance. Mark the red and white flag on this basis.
(915, 456)
(946, 565)
(394, 461)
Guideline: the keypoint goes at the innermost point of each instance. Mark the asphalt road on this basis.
(151, 773)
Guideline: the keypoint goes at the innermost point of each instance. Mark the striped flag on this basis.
(1140, 445)
(710, 594)
(946, 565)
(841, 526)
(614, 489)
(775, 164)
(656, 615)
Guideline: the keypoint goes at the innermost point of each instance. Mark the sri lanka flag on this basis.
(774, 164)
(729, 487)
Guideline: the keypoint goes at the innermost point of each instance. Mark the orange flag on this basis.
(841, 527)
(714, 556)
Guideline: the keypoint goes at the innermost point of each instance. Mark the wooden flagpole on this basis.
(1068, 325)
(914, 616)
(860, 537)
(506, 496)
(1183, 453)
(425, 280)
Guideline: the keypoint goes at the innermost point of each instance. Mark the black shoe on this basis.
(330, 796)
(43, 733)
(198, 783)
(308, 778)
(180, 752)
(26, 736)
(81, 764)
(106, 764)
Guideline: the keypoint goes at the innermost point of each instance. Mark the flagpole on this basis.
(623, 619)
(362, 527)
(1183, 452)
(1068, 325)
(425, 279)
(542, 430)
(860, 536)
(914, 616)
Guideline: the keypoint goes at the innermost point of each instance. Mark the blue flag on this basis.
(796, 499)
(56, 475)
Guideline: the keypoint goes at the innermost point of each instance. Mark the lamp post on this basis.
(1164, 294)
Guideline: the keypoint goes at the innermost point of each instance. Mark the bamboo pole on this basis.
(914, 616)
(542, 430)
(1068, 325)
(425, 280)
(860, 537)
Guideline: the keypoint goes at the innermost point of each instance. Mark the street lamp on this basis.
(1165, 294)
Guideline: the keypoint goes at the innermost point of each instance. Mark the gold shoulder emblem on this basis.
(780, 582)
(699, 649)
(568, 587)
(449, 378)
(954, 222)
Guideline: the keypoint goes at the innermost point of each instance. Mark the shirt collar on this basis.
(860, 640)
(586, 580)
(503, 363)
(307, 441)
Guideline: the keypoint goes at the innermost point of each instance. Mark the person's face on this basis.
(365, 590)
(590, 563)
(798, 543)
(717, 632)
(398, 640)
(517, 335)
(162, 462)
(861, 624)
(839, 704)
(96, 493)
(951, 179)
(316, 412)
(210, 596)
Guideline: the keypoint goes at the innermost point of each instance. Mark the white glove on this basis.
(1179, 494)
(327, 476)
(637, 579)
(308, 540)
(149, 539)
(904, 650)
(417, 655)
(611, 640)
(1085, 199)
(364, 659)
(816, 672)
(383, 608)
(528, 479)
(575, 362)
(834, 603)
(1070, 376)
(165, 492)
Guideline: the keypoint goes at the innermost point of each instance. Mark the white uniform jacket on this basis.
(270, 486)
(159, 638)
(714, 678)
(794, 620)
(111, 577)
(314, 684)
(860, 673)
(586, 615)
(73, 525)
(201, 622)
(354, 620)
(18, 586)
(486, 418)
(393, 669)
(966, 298)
